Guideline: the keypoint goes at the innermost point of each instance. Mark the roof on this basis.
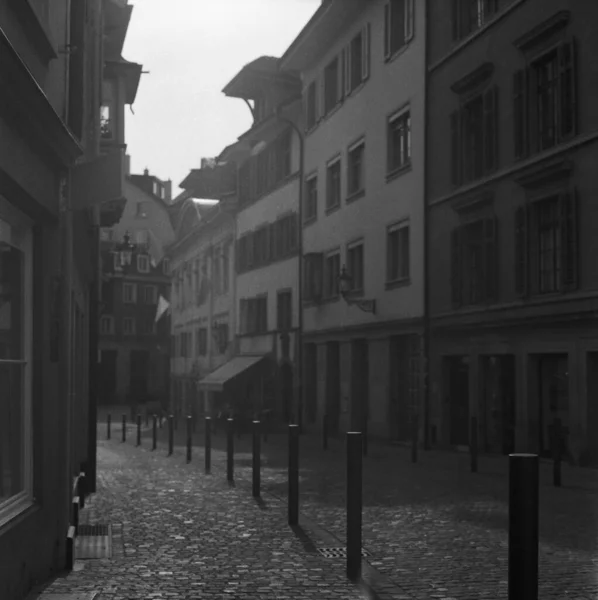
(249, 81)
(132, 75)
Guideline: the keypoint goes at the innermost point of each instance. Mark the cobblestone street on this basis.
(433, 530)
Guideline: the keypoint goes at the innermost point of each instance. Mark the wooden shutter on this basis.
(520, 123)
(521, 251)
(455, 148)
(387, 30)
(569, 246)
(567, 89)
(491, 130)
(456, 268)
(491, 259)
(365, 52)
(409, 20)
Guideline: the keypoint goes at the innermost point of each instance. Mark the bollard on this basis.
(76, 514)
(208, 443)
(414, 435)
(473, 444)
(557, 451)
(81, 489)
(170, 435)
(523, 527)
(230, 448)
(189, 438)
(364, 440)
(256, 459)
(154, 431)
(293, 500)
(138, 430)
(124, 432)
(354, 504)
(325, 432)
(108, 422)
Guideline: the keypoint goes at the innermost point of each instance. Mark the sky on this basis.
(192, 49)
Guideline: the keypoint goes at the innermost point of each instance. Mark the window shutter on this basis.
(321, 97)
(318, 276)
(365, 52)
(409, 20)
(455, 17)
(569, 245)
(567, 89)
(521, 250)
(347, 69)
(456, 268)
(307, 278)
(342, 62)
(491, 258)
(387, 30)
(455, 148)
(491, 129)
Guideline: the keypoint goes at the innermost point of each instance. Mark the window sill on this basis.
(310, 221)
(397, 283)
(16, 511)
(398, 172)
(392, 57)
(355, 196)
(330, 209)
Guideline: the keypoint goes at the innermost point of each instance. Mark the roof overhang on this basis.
(250, 81)
(130, 72)
(117, 16)
(211, 183)
(327, 23)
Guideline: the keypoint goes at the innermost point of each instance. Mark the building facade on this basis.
(512, 133)
(134, 348)
(362, 67)
(57, 186)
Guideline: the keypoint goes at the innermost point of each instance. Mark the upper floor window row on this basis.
(469, 15)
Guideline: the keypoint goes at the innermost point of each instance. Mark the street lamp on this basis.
(345, 284)
(125, 252)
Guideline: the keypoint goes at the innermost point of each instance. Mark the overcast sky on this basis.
(191, 49)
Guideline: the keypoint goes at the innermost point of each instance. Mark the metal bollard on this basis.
(557, 447)
(208, 443)
(154, 431)
(414, 438)
(473, 444)
(176, 420)
(138, 430)
(124, 432)
(325, 431)
(230, 448)
(81, 489)
(75, 505)
(170, 435)
(189, 438)
(293, 501)
(354, 504)
(256, 459)
(523, 526)
(108, 423)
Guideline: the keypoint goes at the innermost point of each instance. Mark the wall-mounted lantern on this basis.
(345, 281)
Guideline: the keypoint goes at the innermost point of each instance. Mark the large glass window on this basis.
(15, 377)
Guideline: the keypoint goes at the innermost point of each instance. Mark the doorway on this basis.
(333, 385)
(553, 398)
(457, 372)
(360, 373)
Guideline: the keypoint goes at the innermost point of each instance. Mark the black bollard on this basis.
(473, 444)
(176, 420)
(230, 449)
(293, 508)
(75, 504)
(557, 451)
(170, 434)
(154, 431)
(208, 443)
(354, 504)
(325, 431)
(138, 430)
(256, 459)
(414, 440)
(523, 526)
(81, 489)
(124, 425)
(365, 439)
(189, 438)
(108, 423)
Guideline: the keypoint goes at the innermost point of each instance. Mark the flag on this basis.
(156, 251)
(163, 306)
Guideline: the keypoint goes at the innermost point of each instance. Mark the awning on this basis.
(216, 380)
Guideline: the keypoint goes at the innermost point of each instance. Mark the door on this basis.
(107, 382)
(458, 396)
(359, 384)
(553, 396)
(333, 385)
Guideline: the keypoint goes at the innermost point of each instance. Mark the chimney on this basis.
(168, 190)
(145, 172)
(127, 164)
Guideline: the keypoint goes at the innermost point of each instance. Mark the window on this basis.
(261, 247)
(313, 265)
(284, 310)
(107, 325)
(149, 326)
(201, 341)
(399, 141)
(166, 266)
(546, 245)
(355, 169)
(128, 326)
(311, 198)
(254, 314)
(470, 15)
(474, 133)
(143, 263)
(106, 234)
(150, 294)
(311, 112)
(397, 253)
(282, 156)
(333, 184)
(544, 101)
(331, 85)
(398, 25)
(225, 268)
(355, 266)
(221, 337)
(106, 122)
(129, 293)
(332, 268)
(15, 368)
(358, 60)
(142, 236)
(141, 209)
(474, 263)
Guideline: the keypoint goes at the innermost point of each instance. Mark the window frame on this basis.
(396, 228)
(132, 286)
(391, 49)
(308, 216)
(154, 299)
(133, 328)
(145, 260)
(110, 320)
(332, 163)
(403, 113)
(287, 293)
(333, 293)
(360, 190)
(356, 290)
